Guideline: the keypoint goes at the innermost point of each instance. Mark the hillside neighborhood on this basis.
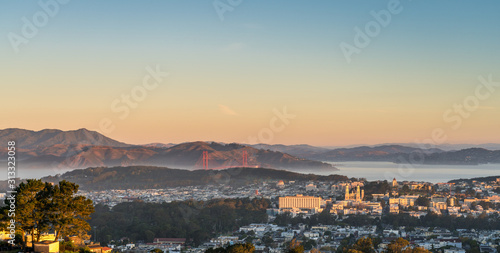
(301, 202)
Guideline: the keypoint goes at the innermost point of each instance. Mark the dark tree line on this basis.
(236, 248)
(42, 207)
(376, 187)
(196, 221)
(150, 177)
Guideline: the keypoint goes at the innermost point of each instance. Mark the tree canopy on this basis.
(197, 221)
(236, 248)
(365, 245)
(44, 207)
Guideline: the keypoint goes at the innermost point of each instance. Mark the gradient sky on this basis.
(226, 77)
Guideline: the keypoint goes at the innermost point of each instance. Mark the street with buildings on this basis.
(341, 201)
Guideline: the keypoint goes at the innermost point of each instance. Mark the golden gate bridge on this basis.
(207, 162)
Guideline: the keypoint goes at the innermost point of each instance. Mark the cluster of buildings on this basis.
(340, 199)
(348, 198)
(114, 197)
(352, 203)
(270, 237)
(327, 238)
(173, 245)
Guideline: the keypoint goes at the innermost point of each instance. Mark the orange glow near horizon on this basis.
(225, 79)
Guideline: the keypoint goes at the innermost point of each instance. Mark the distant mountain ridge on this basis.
(443, 146)
(51, 148)
(391, 153)
(361, 153)
(48, 137)
(301, 150)
(158, 145)
(478, 179)
(82, 148)
(470, 156)
(366, 153)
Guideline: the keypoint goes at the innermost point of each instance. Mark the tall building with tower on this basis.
(359, 195)
(394, 182)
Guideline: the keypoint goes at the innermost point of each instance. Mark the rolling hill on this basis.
(365, 153)
(28, 139)
(148, 177)
(48, 149)
(77, 149)
(302, 150)
(470, 156)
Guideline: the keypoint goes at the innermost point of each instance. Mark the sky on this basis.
(325, 73)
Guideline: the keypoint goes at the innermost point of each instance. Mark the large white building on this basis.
(405, 201)
(300, 202)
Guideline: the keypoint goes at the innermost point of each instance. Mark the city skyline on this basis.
(428, 66)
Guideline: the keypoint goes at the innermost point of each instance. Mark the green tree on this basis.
(267, 239)
(405, 190)
(470, 192)
(419, 250)
(84, 250)
(470, 245)
(294, 247)
(309, 244)
(241, 248)
(364, 245)
(68, 214)
(397, 246)
(422, 201)
(67, 246)
(41, 207)
(28, 209)
(236, 248)
(401, 245)
(353, 251)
